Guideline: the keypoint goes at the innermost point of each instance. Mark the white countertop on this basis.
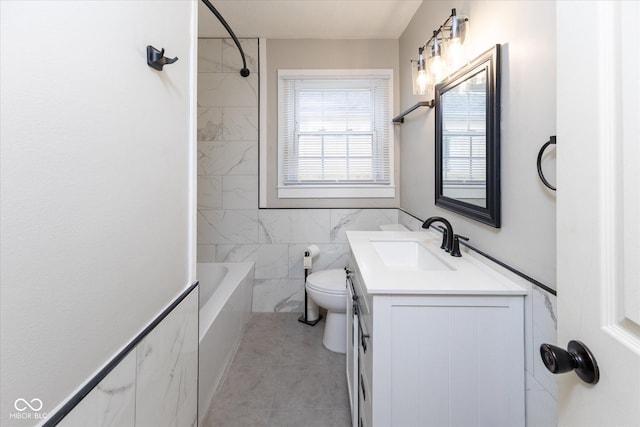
(467, 276)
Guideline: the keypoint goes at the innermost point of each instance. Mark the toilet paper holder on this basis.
(307, 262)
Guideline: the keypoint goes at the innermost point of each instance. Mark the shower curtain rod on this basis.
(244, 72)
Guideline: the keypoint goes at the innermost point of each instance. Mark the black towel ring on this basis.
(552, 140)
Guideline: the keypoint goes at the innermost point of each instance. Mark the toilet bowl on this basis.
(328, 289)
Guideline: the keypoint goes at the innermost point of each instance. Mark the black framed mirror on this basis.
(468, 140)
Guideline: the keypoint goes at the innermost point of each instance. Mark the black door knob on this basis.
(577, 357)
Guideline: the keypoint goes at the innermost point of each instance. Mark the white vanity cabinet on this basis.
(437, 359)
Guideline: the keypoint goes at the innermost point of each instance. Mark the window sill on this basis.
(387, 192)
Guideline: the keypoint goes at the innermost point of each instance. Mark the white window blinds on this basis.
(334, 132)
(464, 142)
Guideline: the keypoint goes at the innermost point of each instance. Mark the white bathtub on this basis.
(225, 306)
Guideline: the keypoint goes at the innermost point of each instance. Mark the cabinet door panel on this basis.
(420, 365)
(455, 365)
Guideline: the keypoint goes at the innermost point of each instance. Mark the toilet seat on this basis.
(328, 281)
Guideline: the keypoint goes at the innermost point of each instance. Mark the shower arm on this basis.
(244, 72)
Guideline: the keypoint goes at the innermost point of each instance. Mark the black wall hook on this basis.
(156, 58)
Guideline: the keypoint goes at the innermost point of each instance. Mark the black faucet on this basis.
(448, 232)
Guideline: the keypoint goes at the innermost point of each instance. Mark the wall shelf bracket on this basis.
(400, 117)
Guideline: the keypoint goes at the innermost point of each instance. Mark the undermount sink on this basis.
(407, 254)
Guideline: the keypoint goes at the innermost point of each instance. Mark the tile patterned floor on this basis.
(282, 376)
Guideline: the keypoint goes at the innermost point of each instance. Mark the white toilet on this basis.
(328, 289)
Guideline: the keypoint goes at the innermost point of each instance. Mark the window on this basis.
(334, 134)
(464, 143)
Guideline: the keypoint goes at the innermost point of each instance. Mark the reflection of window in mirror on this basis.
(464, 141)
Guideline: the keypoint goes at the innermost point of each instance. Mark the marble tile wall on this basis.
(155, 384)
(231, 228)
(541, 390)
(227, 146)
(112, 402)
(167, 369)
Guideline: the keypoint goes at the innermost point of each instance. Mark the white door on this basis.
(598, 227)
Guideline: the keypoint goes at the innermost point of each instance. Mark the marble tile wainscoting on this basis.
(157, 381)
(275, 239)
(541, 389)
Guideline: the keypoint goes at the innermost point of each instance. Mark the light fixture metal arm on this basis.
(442, 28)
(244, 72)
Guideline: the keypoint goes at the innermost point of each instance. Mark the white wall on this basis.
(526, 30)
(97, 175)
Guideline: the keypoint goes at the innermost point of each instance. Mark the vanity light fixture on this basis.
(446, 54)
(420, 74)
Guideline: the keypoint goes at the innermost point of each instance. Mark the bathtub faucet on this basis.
(448, 233)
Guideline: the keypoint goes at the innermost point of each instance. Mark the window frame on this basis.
(335, 190)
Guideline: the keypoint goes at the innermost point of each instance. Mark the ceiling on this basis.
(309, 19)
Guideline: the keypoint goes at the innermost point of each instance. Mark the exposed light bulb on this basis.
(456, 53)
(437, 68)
(437, 65)
(421, 78)
(422, 81)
